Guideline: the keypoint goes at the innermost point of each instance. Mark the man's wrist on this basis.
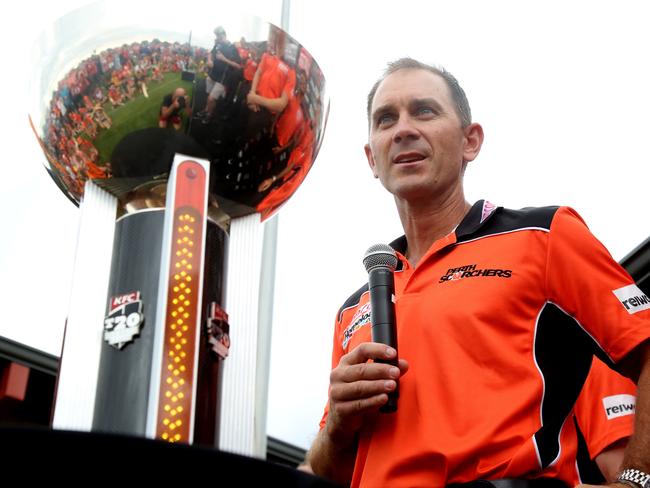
(339, 436)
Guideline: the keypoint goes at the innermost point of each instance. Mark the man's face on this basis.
(417, 146)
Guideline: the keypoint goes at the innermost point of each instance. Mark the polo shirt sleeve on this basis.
(586, 283)
(605, 408)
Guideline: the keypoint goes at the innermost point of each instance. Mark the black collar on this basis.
(471, 223)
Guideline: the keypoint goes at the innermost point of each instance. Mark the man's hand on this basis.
(251, 101)
(358, 387)
(221, 57)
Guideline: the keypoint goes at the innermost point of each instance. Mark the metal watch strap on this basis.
(639, 478)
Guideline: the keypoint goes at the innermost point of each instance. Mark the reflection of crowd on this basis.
(257, 124)
(77, 113)
(269, 100)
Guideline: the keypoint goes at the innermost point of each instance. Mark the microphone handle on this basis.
(384, 330)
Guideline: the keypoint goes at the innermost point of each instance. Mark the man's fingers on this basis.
(365, 371)
(403, 366)
(359, 390)
(368, 350)
(360, 406)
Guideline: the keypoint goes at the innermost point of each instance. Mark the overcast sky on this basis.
(561, 89)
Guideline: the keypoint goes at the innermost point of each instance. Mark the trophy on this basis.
(178, 138)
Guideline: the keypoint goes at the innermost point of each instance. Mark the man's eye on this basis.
(425, 111)
(384, 119)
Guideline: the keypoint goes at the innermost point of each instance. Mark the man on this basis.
(499, 313)
(171, 109)
(223, 68)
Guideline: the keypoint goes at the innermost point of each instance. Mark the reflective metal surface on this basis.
(116, 96)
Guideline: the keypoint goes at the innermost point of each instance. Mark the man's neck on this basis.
(425, 224)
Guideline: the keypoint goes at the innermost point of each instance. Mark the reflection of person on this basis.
(272, 85)
(222, 63)
(498, 314)
(172, 107)
(290, 127)
(605, 416)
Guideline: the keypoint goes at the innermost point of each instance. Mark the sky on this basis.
(560, 88)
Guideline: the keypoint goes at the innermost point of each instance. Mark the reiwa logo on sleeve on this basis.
(619, 405)
(632, 298)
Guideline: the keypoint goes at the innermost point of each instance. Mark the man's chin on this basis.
(413, 192)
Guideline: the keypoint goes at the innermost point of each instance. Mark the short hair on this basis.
(457, 93)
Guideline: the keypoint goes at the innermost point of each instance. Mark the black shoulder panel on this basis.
(353, 300)
(506, 220)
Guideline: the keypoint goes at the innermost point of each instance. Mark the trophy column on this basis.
(174, 159)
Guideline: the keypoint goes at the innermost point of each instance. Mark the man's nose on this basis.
(404, 130)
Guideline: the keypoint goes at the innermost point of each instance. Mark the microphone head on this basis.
(380, 255)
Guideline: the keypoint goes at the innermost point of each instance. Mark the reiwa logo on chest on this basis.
(360, 318)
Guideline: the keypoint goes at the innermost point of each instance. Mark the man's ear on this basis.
(473, 141)
(371, 160)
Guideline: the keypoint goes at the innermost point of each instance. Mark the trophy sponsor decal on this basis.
(218, 330)
(124, 319)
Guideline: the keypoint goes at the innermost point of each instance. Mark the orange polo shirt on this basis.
(275, 78)
(499, 321)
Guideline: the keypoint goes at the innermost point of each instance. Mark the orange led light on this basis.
(183, 308)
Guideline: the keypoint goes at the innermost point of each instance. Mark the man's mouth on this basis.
(410, 157)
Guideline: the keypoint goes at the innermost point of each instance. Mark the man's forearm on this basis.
(330, 460)
(610, 460)
(256, 79)
(275, 105)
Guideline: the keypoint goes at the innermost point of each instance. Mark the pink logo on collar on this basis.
(488, 208)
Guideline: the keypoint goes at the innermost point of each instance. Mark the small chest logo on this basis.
(361, 318)
(124, 319)
(488, 208)
(471, 271)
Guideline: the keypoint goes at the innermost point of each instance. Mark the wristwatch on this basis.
(635, 478)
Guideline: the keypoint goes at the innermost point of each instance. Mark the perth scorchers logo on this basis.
(470, 271)
(361, 318)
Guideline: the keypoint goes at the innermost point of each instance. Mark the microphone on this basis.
(380, 262)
